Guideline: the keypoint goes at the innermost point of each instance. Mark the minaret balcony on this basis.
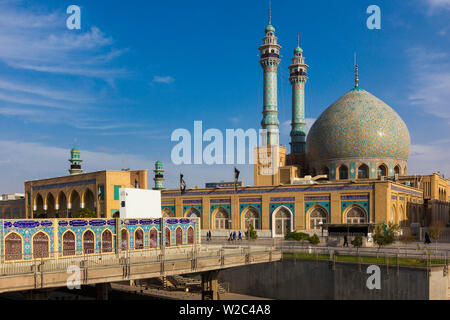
(270, 55)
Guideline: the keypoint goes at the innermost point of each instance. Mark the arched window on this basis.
(68, 245)
(179, 236)
(190, 235)
(282, 221)
(221, 219)
(167, 213)
(317, 216)
(363, 172)
(107, 241)
(356, 215)
(124, 236)
(167, 237)
(397, 170)
(40, 245)
(343, 172)
(88, 242)
(153, 238)
(382, 171)
(139, 239)
(251, 216)
(13, 247)
(392, 214)
(192, 213)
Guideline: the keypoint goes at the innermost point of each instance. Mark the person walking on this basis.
(345, 240)
(427, 238)
(240, 235)
(234, 235)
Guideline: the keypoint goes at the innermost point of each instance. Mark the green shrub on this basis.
(251, 233)
(357, 241)
(294, 235)
(314, 239)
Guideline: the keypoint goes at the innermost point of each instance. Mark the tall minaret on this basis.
(75, 161)
(298, 79)
(270, 59)
(159, 176)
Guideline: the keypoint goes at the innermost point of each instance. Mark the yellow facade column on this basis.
(335, 207)
(178, 207)
(265, 212)
(299, 206)
(55, 239)
(205, 212)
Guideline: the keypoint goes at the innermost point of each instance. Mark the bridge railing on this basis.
(129, 257)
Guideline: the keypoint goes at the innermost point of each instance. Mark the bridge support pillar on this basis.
(102, 290)
(210, 285)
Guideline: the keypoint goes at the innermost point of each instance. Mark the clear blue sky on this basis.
(137, 70)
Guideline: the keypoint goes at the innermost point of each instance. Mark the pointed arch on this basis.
(167, 237)
(13, 246)
(106, 242)
(190, 235)
(178, 236)
(167, 213)
(355, 214)
(343, 172)
(88, 242)
(153, 238)
(62, 205)
(51, 206)
(89, 199)
(221, 219)
(282, 221)
(68, 243)
(363, 171)
(315, 215)
(398, 170)
(139, 239)
(382, 170)
(124, 239)
(40, 245)
(192, 212)
(39, 205)
(251, 215)
(75, 203)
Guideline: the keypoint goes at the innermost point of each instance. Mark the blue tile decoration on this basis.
(26, 229)
(346, 204)
(276, 205)
(358, 126)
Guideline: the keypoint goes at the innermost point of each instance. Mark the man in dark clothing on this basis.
(345, 241)
(427, 238)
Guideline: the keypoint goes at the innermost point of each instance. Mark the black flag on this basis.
(236, 177)
(182, 184)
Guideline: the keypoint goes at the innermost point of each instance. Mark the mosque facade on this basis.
(351, 168)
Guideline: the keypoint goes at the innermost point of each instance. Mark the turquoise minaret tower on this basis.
(270, 59)
(298, 79)
(75, 161)
(159, 176)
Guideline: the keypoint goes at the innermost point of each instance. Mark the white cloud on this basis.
(23, 161)
(429, 158)
(433, 70)
(165, 79)
(438, 4)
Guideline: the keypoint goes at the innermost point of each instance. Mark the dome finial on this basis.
(356, 73)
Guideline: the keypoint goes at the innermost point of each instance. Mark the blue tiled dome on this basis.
(358, 125)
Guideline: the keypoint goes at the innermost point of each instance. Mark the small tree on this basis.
(436, 229)
(251, 233)
(314, 239)
(385, 235)
(407, 236)
(85, 213)
(357, 241)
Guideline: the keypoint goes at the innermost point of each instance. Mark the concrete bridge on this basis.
(37, 275)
